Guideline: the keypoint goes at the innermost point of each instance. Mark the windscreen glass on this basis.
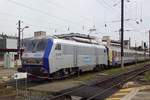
(29, 45)
(41, 45)
(35, 45)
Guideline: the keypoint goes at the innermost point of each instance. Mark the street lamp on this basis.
(22, 33)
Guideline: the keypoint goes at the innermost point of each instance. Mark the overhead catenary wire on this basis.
(27, 23)
(70, 23)
(109, 9)
(127, 19)
(29, 19)
(138, 20)
(51, 26)
(42, 12)
(106, 7)
(52, 30)
(68, 10)
(15, 18)
(37, 10)
(135, 19)
(109, 5)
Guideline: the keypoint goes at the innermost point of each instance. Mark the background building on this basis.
(8, 44)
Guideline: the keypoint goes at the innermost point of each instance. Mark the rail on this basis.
(103, 88)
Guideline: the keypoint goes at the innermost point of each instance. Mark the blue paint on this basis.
(87, 60)
(46, 55)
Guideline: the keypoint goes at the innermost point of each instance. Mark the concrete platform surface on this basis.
(124, 94)
(134, 93)
(143, 93)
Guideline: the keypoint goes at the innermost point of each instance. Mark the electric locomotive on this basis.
(53, 57)
(47, 56)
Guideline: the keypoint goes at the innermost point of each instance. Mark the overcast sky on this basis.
(55, 16)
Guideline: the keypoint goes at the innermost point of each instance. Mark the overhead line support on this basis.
(122, 33)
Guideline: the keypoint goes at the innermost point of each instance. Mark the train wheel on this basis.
(102, 67)
(59, 74)
(78, 72)
(96, 69)
(105, 67)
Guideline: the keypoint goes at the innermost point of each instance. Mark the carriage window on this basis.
(58, 47)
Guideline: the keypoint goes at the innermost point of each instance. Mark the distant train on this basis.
(47, 56)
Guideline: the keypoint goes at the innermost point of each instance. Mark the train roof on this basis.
(127, 50)
(77, 43)
(71, 42)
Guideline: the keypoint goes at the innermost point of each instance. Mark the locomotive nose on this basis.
(36, 70)
(32, 61)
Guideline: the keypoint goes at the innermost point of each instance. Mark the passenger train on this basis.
(48, 56)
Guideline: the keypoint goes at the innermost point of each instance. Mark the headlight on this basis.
(43, 70)
(39, 61)
(32, 61)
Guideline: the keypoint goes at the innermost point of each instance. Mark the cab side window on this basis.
(58, 47)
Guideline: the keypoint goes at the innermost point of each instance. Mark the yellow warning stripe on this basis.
(121, 93)
(113, 99)
(126, 90)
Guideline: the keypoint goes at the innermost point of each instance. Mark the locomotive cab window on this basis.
(41, 45)
(58, 47)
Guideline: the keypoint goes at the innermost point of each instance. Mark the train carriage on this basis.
(130, 56)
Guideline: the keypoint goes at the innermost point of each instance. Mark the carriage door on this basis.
(97, 56)
(75, 56)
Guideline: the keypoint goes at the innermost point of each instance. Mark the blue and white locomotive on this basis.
(46, 56)
(53, 57)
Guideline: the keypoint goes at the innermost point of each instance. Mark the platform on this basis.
(134, 93)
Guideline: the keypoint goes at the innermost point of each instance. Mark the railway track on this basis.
(101, 89)
(47, 80)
